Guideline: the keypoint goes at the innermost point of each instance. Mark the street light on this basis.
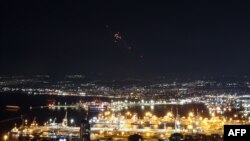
(26, 122)
(191, 114)
(72, 121)
(5, 137)
(235, 115)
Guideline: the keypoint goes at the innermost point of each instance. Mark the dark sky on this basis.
(176, 37)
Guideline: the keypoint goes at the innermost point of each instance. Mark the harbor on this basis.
(108, 124)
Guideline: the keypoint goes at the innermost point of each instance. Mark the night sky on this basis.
(176, 37)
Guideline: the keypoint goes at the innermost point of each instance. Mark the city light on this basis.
(71, 121)
(124, 70)
(5, 137)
